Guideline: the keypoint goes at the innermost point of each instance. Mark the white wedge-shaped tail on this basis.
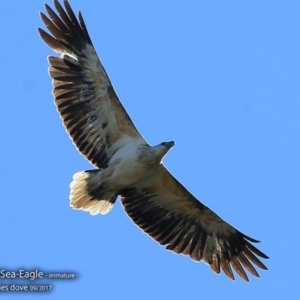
(82, 199)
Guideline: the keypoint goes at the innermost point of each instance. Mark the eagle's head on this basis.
(151, 156)
(166, 145)
(161, 149)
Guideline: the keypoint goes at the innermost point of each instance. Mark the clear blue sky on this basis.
(221, 78)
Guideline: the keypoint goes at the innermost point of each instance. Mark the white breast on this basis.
(129, 166)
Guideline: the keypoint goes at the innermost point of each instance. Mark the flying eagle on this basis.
(126, 165)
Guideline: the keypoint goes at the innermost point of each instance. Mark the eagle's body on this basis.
(126, 165)
(134, 164)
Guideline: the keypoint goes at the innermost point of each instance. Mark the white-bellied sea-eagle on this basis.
(126, 165)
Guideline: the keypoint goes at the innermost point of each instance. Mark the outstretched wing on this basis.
(168, 213)
(86, 101)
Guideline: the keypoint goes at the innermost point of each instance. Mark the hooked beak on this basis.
(170, 144)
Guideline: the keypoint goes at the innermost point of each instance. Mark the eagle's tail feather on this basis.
(81, 198)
